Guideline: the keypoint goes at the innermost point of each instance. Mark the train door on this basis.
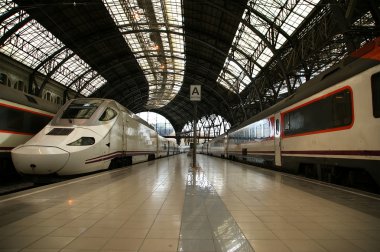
(111, 140)
(277, 139)
(125, 129)
(226, 146)
(116, 135)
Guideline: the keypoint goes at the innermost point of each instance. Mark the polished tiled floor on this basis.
(164, 206)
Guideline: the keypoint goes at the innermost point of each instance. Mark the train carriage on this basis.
(218, 146)
(328, 129)
(22, 116)
(88, 135)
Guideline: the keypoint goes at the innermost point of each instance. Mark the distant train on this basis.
(21, 116)
(329, 129)
(87, 135)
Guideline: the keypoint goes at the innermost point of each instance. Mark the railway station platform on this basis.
(163, 205)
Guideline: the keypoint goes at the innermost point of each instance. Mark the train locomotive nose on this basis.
(39, 159)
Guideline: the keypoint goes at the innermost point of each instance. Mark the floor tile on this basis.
(87, 243)
(131, 233)
(98, 232)
(304, 246)
(18, 242)
(123, 244)
(35, 231)
(367, 245)
(68, 231)
(52, 242)
(339, 246)
(269, 246)
(189, 245)
(159, 245)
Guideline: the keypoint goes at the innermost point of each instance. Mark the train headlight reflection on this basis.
(83, 141)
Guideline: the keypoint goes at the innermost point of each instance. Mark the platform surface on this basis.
(164, 205)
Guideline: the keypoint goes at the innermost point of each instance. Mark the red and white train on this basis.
(88, 135)
(328, 129)
(21, 116)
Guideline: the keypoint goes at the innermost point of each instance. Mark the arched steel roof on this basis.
(246, 54)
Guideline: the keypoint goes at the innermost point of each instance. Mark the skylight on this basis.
(32, 44)
(286, 15)
(153, 30)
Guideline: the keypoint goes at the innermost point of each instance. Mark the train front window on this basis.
(81, 109)
(108, 114)
(376, 95)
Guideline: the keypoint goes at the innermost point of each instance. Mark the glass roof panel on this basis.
(94, 83)
(5, 6)
(32, 44)
(158, 52)
(287, 15)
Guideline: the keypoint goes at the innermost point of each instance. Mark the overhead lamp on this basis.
(136, 16)
(156, 47)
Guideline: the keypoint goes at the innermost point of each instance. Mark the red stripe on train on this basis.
(336, 152)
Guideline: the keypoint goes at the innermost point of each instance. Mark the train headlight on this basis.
(83, 141)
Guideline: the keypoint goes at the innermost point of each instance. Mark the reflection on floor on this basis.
(206, 223)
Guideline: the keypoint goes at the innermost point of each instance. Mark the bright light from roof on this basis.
(154, 31)
(32, 45)
(287, 15)
(159, 122)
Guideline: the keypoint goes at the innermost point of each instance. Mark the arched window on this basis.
(47, 96)
(208, 127)
(19, 85)
(3, 79)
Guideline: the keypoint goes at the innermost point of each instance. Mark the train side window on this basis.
(329, 112)
(252, 134)
(342, 110)
(266, 130)
(287, 122)
(259, 131)
(108, 114)
(376, 95)
(21, 121)
(36, 122)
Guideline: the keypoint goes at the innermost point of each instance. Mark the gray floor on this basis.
(207, 225)
(164, 206)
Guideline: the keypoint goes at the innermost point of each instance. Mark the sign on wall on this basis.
(195, 92)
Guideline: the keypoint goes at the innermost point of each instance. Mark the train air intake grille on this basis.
(60, 131)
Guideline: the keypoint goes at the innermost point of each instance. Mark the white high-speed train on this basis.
(329, 129)
(87, 135)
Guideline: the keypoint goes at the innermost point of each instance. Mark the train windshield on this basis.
(81, 109)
